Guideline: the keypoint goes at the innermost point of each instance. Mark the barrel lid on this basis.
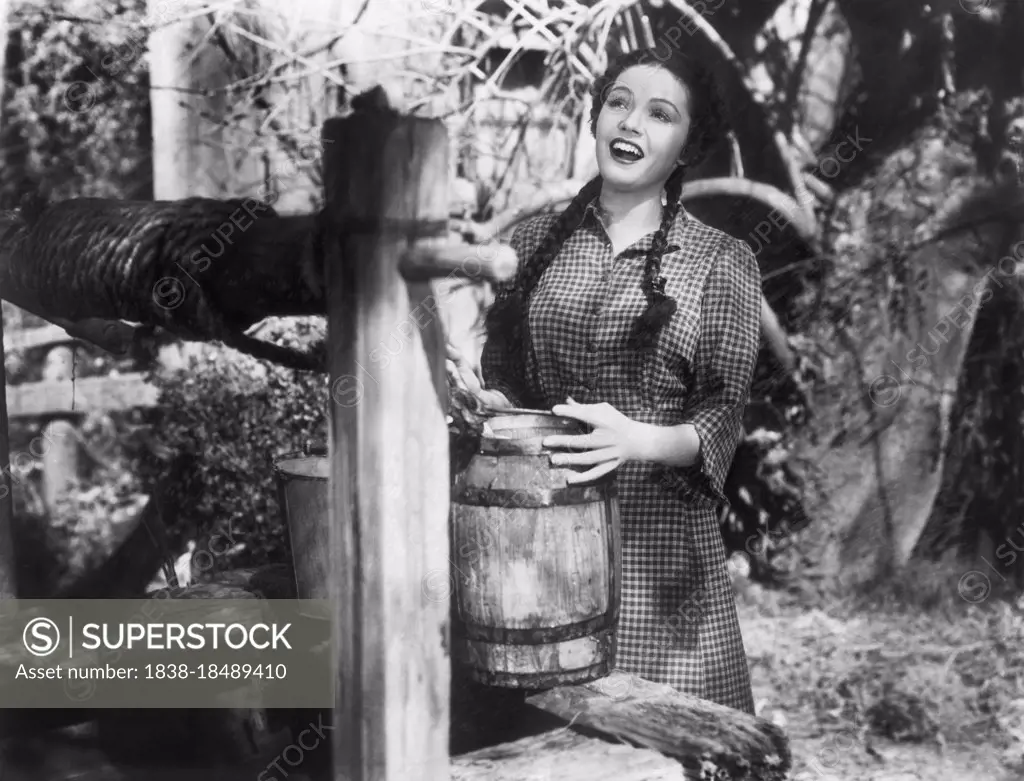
(523, 434)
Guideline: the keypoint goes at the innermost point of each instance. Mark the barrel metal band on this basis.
(395, 228)
(515, 447)
(549, 681)
(536, 635)
(540, 680)
(524, 498)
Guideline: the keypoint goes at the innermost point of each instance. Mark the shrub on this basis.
(236, 413)
(76, 104)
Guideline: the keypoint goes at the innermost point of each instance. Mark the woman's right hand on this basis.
(467, 379)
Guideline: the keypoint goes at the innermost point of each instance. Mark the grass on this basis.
(906, 662)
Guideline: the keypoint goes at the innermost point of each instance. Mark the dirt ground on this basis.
(890, 693)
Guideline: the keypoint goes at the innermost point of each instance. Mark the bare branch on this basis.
(772, 197)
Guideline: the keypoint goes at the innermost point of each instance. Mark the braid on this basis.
(660, 307)
(506, 318)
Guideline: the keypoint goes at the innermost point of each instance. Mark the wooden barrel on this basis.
(536, 562)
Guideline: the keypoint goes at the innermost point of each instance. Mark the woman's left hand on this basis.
(614, 439)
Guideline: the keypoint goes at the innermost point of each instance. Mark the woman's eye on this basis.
(659, 114)
(616, 102)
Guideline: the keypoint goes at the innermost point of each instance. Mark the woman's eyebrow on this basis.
(666, 101)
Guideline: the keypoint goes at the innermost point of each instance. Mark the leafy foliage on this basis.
(76, 108)
(87, 526)
(236, 414)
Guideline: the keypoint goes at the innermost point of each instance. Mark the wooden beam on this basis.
(568, 756)
(626, 707)
(495, 263)
(389, 452)
(91, 394)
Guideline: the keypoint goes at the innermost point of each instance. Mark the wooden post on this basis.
(389, 453)
(195, 152)
(7, 589)
(60, 451)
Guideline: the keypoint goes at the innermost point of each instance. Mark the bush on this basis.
(76, 104)
(236, 413)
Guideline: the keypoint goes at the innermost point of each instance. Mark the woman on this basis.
(643, 323)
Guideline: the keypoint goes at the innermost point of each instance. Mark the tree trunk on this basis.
(878, 460)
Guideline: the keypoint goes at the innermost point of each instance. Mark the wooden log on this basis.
(389, 454)
(538, 562)
(568, 756)
(626, 707)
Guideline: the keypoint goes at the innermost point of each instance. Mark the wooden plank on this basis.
(114, 336)
(389, 455)
(568, 756)
(36, 337)
(90, 394)
(678, 725)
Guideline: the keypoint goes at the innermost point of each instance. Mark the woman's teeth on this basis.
(625, 151)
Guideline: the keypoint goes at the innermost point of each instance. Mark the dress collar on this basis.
(674, 241)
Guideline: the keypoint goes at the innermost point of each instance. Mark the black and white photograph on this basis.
(512, 390)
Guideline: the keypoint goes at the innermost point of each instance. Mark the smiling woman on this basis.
(629, 314)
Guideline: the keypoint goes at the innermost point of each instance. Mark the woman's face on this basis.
(641, 129)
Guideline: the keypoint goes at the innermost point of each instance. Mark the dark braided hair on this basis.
(507, 316)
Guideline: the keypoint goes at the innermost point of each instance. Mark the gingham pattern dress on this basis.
(678, 621)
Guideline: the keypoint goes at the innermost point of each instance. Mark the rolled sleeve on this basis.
(726, 357)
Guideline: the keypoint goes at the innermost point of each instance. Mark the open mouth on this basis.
(625, 151)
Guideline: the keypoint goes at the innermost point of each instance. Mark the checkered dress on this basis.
(678, 623)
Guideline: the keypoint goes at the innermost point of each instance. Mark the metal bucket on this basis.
(303, 490)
